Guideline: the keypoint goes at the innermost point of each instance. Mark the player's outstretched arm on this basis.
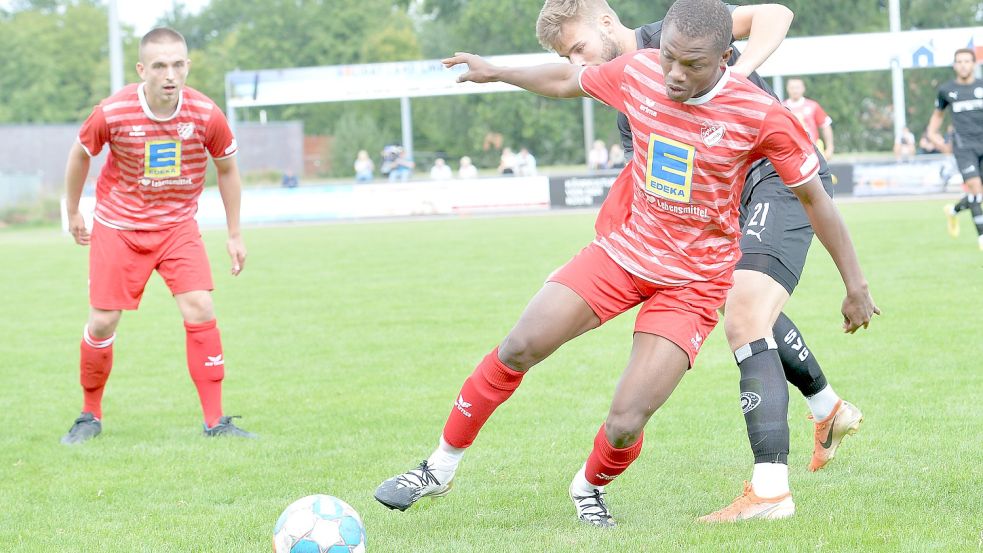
(75, 173)
(765, 27)
(556, 80)
(858, 307)
(230, 187)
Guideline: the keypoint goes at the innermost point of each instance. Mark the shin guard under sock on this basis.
(764, 400)
(491, 383)
(800, 365)
(206, 365)
(95, 364)
(606, 462)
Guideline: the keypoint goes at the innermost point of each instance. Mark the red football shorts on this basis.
(121, 262)
(684, 315)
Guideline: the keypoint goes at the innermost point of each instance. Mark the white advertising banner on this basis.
(332, 202)
(795, 56)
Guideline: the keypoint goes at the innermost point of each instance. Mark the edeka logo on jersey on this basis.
(670, 171)
(162, 159)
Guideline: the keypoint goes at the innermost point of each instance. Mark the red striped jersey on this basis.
(155, 169)
(672, 215)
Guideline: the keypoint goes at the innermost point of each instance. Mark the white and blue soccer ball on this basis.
(319, 524)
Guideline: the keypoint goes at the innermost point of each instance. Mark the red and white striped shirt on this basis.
(672, 215)
(155, 170)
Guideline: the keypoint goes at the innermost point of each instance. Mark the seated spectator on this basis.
(507, 164)
(364, 167)
(440, 170)
(402, 167)
(525, 163)
(597, 157)
(904, 146)
(616, 157)
(289, 179)
(467, 170)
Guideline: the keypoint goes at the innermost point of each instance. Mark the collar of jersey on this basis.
(698, 100)
(146, 107)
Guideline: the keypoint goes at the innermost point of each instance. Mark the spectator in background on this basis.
(525, 163)
(507, 164)
(289, 179)
(812, 116)
(402, 167)
(904, 146)
(440, 170)
(616, 157)
(467, 170)
(597, 157)
(364, 167)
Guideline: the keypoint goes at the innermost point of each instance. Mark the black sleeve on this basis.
(941, 101)
(625, 130)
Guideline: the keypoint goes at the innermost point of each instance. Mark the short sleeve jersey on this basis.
(680, 223)
(810, 114)
(966, 101)
(155, 170)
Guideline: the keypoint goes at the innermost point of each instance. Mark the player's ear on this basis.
(725, 57)
(139, 68)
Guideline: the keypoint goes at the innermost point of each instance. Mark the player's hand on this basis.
(76, 226)
(237, 251)
(479, 70)
(858, 310)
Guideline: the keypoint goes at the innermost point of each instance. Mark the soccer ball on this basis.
(319, 524)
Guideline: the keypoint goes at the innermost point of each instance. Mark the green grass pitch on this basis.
(347, 343)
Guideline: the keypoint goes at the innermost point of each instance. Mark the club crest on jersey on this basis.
(711, 133)
(978, 92)
(669, 174)
(162, 159)
(185, 130)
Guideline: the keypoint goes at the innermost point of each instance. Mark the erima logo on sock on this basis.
(749, 400)
(462, 406)
(214, 361)
(603, 476)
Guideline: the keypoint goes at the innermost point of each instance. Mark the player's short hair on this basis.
(162, 34)
(969, 51)
(702, 19)
(557, 13)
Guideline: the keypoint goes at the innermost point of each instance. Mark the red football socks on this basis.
(207, 367)
(95, 364)
(491, 383)
(606, 462)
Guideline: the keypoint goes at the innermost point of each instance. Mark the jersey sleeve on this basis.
(603, 82)
(219, 140)
(787, 145)
(94, 133)
(820, 116)
(942, 100)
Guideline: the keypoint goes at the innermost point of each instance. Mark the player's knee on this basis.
(743, 326)
(519, 352)
(102, 324)
(623, 429)
(198, 308)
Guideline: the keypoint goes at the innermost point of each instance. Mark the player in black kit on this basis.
(964, 95)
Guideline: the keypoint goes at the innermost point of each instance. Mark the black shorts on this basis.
(968, 159)
(776, 233)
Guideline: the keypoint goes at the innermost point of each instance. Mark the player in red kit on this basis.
(160, 134)
(667, 242)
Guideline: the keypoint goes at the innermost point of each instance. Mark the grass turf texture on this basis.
(346, 345)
